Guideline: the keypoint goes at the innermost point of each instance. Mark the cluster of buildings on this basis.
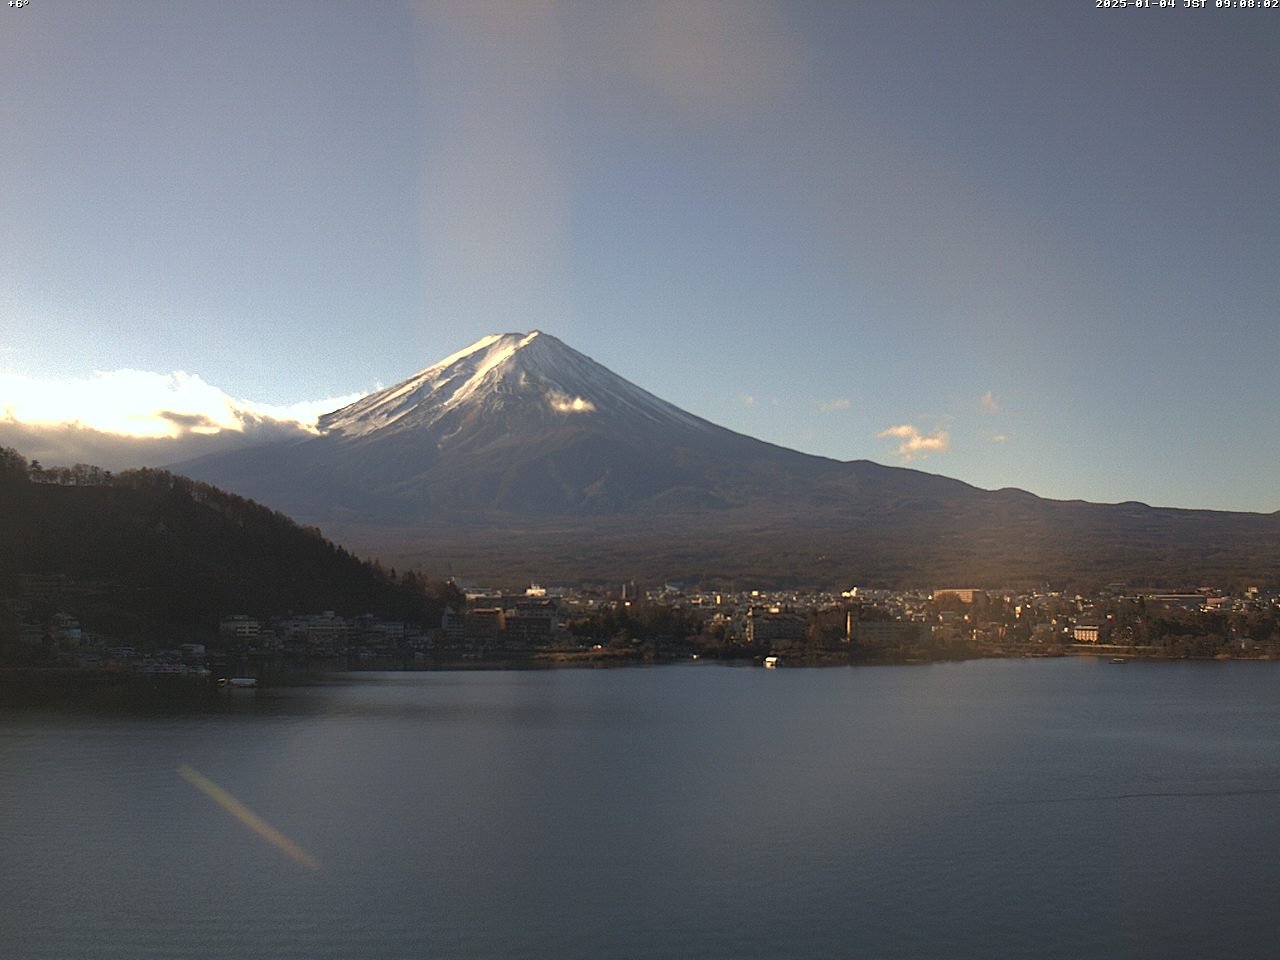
(991, 622)
(323, 636)
(492, 624)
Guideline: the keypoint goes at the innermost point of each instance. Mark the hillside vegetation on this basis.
(148, 555)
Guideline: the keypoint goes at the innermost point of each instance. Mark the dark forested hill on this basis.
(146, 554)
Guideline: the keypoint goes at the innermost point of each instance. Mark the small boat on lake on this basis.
(771, 662)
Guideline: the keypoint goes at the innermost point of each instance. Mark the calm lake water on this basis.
(1048, 808)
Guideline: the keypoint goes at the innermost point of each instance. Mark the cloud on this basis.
(304, 412)
(563, 403)
(915, 444)
(193, 422)
(127, 402)
(1000, 438)
(143, 404)
(906, 430)
(988, 402)
(65, 444)
(830, 406)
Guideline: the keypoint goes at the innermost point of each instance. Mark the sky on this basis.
(1028, 244)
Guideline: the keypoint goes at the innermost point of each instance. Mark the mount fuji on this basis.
(519, 457)
(515, 426)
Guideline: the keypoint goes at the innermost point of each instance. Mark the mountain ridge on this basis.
(519, 452)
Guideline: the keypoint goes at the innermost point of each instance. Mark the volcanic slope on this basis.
(521, 457)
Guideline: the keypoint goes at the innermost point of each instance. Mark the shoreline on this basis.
(275, 676)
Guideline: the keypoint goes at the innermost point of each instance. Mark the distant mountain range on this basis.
(519, 457)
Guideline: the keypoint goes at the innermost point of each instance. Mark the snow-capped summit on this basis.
(519, 381)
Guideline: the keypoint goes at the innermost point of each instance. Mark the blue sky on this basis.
(1021, 244)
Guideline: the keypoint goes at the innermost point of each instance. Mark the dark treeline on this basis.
(643, 621)
(148, 555)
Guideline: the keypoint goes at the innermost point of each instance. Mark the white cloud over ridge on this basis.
(914, 444)
(143, 404)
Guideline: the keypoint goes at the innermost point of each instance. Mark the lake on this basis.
(1001, 808)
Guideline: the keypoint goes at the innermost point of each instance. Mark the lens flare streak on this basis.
(247, 817)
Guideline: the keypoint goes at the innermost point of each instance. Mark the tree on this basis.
(13, 466)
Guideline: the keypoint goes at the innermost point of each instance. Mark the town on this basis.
(548, 626)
